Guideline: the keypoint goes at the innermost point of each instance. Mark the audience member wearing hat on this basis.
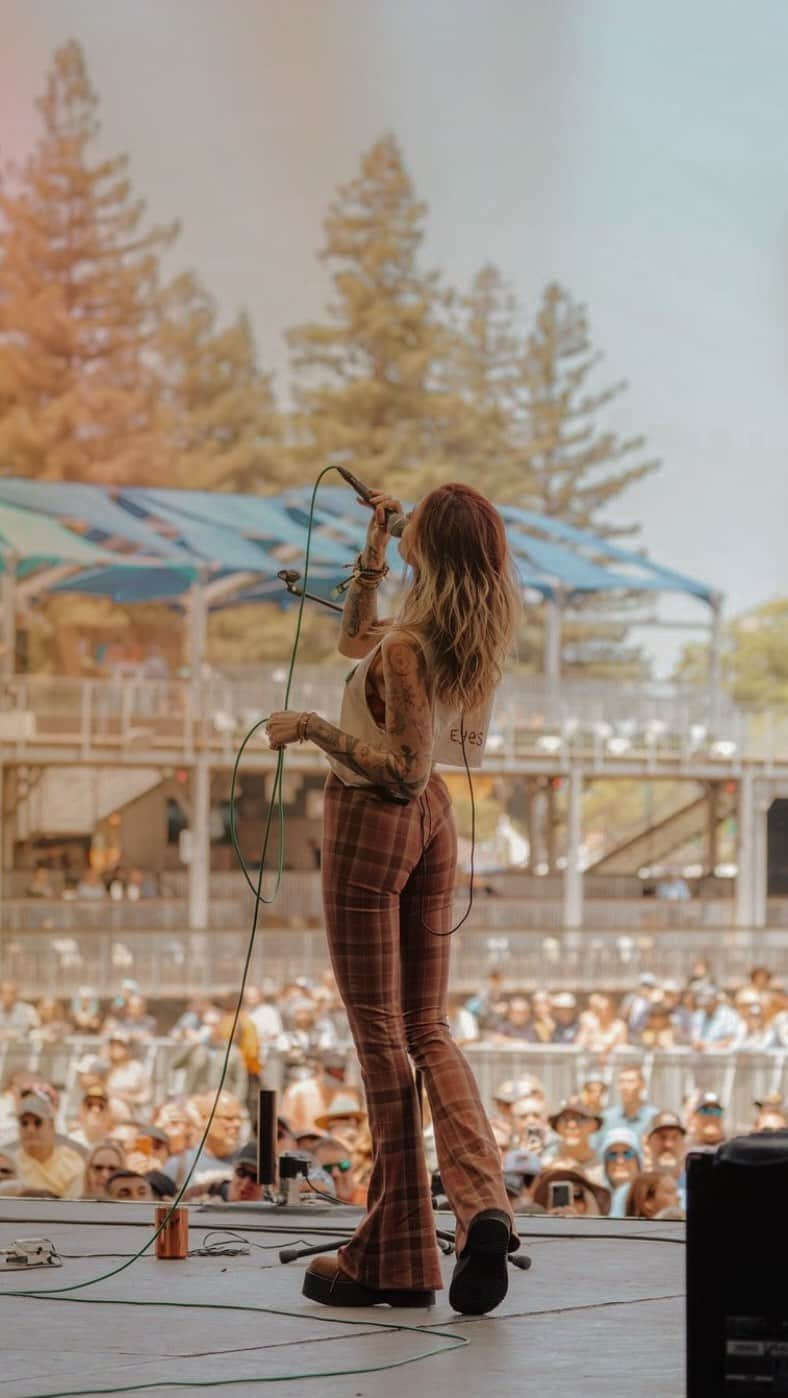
(521, 1170)
(666, 1141)
(95, 1118)
(706, 1125)
(244, 1185)
(714, 1023)
(575, 1125)
(306, 1099)
(564, 1011)
(588, 1197)
(622, 1161)
(43, 1162)
(343, 1118)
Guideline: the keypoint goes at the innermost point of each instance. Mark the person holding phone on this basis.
(570, 1194)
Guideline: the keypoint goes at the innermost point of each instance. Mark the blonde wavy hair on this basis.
(464, 599)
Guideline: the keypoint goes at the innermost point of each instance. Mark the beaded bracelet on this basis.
(302, 724)
(368, 578)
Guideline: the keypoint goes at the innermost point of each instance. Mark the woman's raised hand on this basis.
(378, 535)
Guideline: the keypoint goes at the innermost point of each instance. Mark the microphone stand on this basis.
(290, 578)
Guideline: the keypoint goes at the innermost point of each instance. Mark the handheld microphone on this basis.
(395, 522)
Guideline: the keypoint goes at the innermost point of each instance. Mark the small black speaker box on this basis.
(737, 1268)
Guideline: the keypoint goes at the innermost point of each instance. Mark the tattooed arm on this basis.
(361, 629)
(404, 763)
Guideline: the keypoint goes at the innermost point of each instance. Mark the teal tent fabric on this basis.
(191, 533)
(27, 536)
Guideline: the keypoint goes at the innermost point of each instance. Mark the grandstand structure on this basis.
(196, 552)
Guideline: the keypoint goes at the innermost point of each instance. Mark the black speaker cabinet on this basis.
(737, 1268)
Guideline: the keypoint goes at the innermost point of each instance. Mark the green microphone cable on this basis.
(64, 1293)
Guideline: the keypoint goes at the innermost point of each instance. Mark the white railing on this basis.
(671, 1075)
(655, 723)
(177, 963)
(487, 914)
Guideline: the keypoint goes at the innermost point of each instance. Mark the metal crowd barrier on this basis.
(672, 1075)
(487, 914)
(177, 963)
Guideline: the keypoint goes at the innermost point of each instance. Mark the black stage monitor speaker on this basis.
(737, 1268)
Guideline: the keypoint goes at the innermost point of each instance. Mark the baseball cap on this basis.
(667, 1119)
(564, 1000)
(247, 1155)
(89, 1063)
(576, 1107)
(621, 1136)
(36, 1105)
(647, 978)
(154, 1133)
(707, 1099)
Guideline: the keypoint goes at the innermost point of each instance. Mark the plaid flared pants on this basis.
(388, 876)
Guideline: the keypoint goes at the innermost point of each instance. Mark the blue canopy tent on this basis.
(204, 550)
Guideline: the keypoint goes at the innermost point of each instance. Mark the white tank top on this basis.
(447, 746)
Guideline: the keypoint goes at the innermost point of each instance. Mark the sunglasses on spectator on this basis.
(626, 1153)
(709, 1110)
(246, 1172)
(343, 1165)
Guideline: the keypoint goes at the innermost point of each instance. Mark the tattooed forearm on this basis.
(382, 768)
(360, 612)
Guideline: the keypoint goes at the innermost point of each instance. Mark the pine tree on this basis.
(227, 433)
(79, 303)
(484, 372)
(575, 467)
(570, 466)
(370, 383)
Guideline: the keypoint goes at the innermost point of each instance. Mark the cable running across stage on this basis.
(428, 680)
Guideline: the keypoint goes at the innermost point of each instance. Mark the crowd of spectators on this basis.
(698, 1015)
(109, 1132)
(90, 885)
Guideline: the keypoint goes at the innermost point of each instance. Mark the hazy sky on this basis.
(637, 153)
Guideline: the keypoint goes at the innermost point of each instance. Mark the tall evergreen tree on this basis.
(575, 466)
(369, 384)
(227, 433)
(571, 466)
(79, 303)
(484, 372)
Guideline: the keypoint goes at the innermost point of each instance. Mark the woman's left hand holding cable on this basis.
(286, 726)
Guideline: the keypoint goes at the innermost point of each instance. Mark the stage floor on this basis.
(599, 1314)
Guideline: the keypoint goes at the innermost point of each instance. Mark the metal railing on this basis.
(672, 1075)
(656, 723)
(178, 963)
(487, 914)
